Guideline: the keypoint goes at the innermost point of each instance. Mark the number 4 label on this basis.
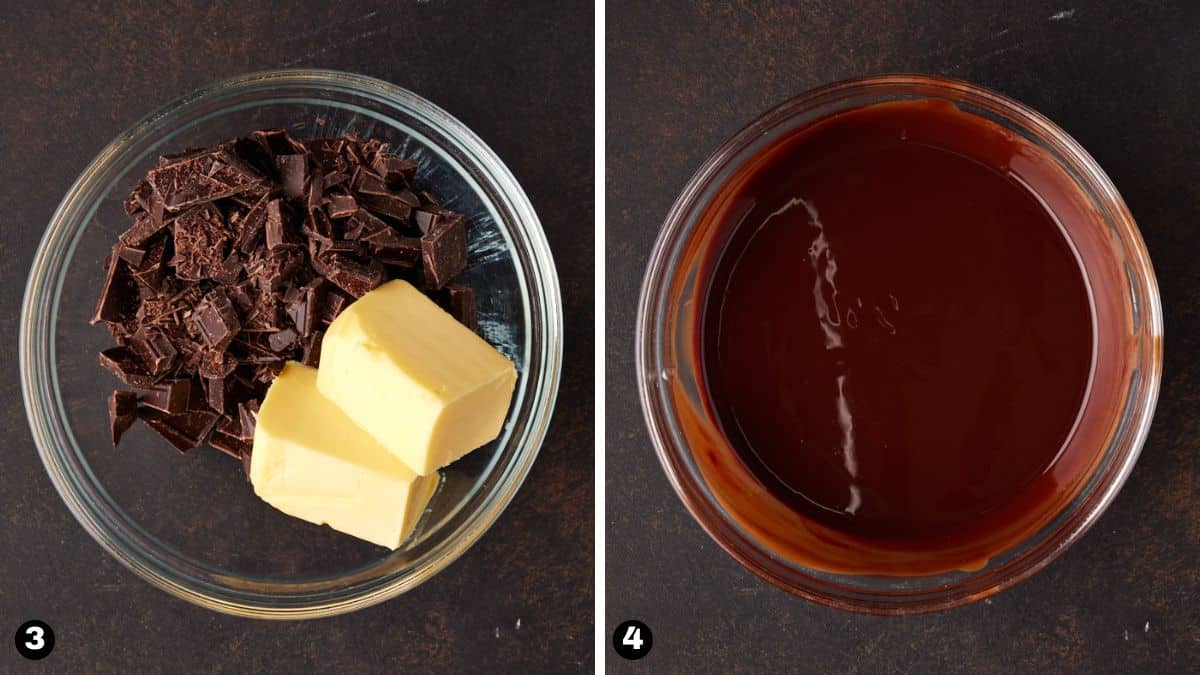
(633, 639)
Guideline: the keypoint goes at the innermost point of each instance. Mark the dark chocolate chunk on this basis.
(119, 295)
(305, 307)
(318, 226)
(142, 229)
(393, 249)
(228, 444)
(153, 268)
(186, 431)
(248, 418)
(122, 362)
(387, 205)
(354, 278)
(122, 413)
(222, 393)
(460, 302)
(367, 182)
(155, 350)
(230, 269)
(131, 255)
(444, 251)
(363, 223)
(335, 302)
(395, 169)
(341, 206)
(283, 339)
(425, 219)
(293, 172)
(312, 349)
(216, 320)
(169, 396)
(214, 364)
(250, 226)
(279, 232)
(201, 178)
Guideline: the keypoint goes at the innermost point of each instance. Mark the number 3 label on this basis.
(35, 640)
(633, 639)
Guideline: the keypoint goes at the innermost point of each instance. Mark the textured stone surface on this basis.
(520, 74)
(1121, 77)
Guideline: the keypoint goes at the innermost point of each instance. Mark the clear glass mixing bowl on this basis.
(673, 393)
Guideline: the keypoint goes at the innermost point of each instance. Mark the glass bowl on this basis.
(689, 441)
(191, 524)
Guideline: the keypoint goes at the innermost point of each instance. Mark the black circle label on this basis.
(35, 640)
(633, 639)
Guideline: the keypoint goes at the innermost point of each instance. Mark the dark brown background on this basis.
(520, 75)
(1124, 79)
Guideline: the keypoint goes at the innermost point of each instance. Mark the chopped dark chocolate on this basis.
(238, 258)
(459, 300)
(248, 418)
(228, 444)
(393, 249)
(335, 302)
(425, 219)
(312, 349)
(387, 205)
(201, 178)
(216, 320)
(341, 206)
(395, 169)
(293, 171)
(279, 232)
(169, 396)
(444, 251)
(119, 295)
(122, 413)
(353, 277)
(142, 229)
(122, 362)
(186, 431)
(155, 350)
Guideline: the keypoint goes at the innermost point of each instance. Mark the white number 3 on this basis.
(633, 638)
(36, 632)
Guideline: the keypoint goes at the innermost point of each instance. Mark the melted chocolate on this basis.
(898, 336)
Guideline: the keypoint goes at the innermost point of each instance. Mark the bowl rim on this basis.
(544, 310)
(663, 424)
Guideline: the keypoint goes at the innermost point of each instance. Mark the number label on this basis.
(35, 640)
(632, 639)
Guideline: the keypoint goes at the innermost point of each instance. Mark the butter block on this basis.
(423, 385)
(312, 462)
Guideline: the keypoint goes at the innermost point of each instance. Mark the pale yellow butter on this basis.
(423, 385)
(312, 462)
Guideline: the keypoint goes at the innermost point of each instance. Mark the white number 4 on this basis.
(633, 638)
(36, 632)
